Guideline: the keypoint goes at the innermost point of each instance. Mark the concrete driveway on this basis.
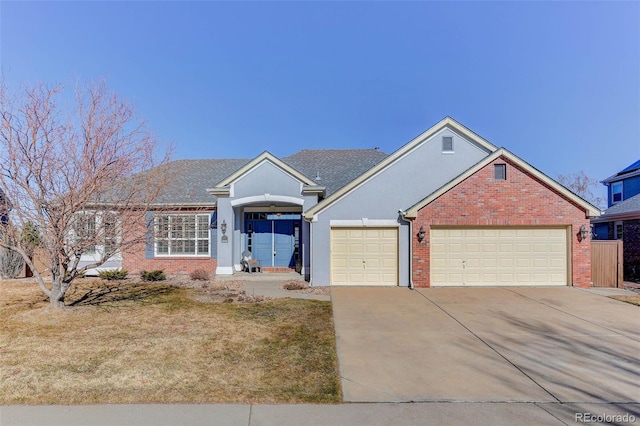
(486, 344)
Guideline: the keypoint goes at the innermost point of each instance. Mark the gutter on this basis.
(403, 216)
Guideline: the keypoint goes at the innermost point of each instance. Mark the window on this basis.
(447, 144)
(617, 230)
(110, 229)
(182, 234)
(616, 192)
(500, 171)
(84, 233)
(95, 233)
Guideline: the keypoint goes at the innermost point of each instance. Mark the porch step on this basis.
(260, 276)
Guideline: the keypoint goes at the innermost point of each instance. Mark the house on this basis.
(447, 208)
(621, 220)
(623, 185)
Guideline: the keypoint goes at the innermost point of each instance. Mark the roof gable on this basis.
(222, 187)
(589, 208)
(447, 122)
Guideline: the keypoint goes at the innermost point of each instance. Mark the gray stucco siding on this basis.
(264, 185)
(266, 179)
(403, 183)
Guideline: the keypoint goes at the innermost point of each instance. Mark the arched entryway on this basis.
(274, 238)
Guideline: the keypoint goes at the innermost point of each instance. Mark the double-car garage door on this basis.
(496, 256)
(460, 256)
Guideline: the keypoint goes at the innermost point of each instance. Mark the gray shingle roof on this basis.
(193, 177)
(628, 206)
(334, 167)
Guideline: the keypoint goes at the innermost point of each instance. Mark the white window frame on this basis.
(613, 192)
(618, 235)
(97, 217)
(174, 238)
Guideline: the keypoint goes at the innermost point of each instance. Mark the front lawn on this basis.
(157, 343)
(634, 300)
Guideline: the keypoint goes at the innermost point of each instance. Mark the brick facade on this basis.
(134, 259)
(520, 200)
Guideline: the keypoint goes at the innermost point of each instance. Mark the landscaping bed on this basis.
(169, 342)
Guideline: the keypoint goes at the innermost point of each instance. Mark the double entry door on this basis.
(273, 239)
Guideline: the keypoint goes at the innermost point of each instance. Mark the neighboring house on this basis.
(447, 208)
(623, 185)
(621, 221)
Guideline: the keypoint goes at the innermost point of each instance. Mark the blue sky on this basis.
(556, 83)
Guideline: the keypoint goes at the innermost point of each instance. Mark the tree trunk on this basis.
(56, 300)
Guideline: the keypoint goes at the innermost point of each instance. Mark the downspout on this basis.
(310, 250)
(403, 216)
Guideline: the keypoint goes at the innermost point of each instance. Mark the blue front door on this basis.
(261, 242)
(271, 238)
(283, 243)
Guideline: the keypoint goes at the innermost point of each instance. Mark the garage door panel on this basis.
(370, 257)
(508, 256)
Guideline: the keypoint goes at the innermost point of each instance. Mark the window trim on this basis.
(93, 223)
(444, 147)
(613, 192)
(617, 236)
(503, 173)
(170, 238)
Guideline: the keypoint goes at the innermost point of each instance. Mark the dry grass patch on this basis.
(153, 343)
(634, 300)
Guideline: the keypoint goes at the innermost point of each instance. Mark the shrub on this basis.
(200, 275)
(11, 264)
(295, 285)
(156, 275)
(67, 274)
(113, 274)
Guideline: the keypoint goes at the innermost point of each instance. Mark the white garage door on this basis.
(498, 256)
(364, 256)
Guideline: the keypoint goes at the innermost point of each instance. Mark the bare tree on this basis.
(83, 178)
(584, 186)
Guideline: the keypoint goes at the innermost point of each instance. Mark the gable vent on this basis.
(447, 144)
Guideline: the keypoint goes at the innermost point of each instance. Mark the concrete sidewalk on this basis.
(433, 413)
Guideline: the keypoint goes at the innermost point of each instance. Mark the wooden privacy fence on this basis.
(606, 263)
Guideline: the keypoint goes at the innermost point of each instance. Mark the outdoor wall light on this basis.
(421, 234)
(583, 234)
(223, 227)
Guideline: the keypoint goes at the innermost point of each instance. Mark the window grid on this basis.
(182, 235)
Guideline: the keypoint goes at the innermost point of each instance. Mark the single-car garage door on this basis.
(498, 256)
(364, 256)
